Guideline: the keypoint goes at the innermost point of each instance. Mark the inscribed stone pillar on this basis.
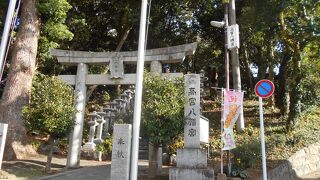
(191, 160)
(75, 138)
(192, 111)
(121, 147)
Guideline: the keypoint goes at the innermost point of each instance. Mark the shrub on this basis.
(163, 103)
(177, 143)
(106, 146)
(248, 153)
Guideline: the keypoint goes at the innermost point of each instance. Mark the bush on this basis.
(163, 103)
(51, 110)
(106, 146)
(248, 154)
(178, 143)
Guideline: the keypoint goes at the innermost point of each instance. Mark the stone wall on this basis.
(305, 161)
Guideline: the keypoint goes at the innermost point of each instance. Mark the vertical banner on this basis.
(232, 105)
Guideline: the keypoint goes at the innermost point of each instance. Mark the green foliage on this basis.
(51, 109)
(53, 32)
(248, 150)
(249, 153)
(106, 146)
(163, 102)
(177, 143)
(36, 144)
(308, 128)
(311, 85)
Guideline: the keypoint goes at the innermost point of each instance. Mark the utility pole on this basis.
(6, 33)
(138, 93)
(234, 55)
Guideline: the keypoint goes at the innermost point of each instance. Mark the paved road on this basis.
(100, 172)
(87, 173)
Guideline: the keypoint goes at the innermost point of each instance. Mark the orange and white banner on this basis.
(232, 106)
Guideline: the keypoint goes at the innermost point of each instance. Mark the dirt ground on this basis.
(33, 168)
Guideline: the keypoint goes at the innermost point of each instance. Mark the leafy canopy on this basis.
(53, 31)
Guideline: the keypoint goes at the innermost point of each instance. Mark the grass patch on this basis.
(279, 144)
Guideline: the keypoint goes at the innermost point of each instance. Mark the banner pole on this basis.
(222, 105)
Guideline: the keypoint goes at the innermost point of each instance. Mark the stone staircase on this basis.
(143, 149)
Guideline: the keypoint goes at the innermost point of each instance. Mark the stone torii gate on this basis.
(116, 61)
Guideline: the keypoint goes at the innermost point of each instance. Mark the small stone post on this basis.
(3, 136)
(121, 148)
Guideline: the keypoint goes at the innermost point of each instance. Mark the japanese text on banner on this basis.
(232, 105)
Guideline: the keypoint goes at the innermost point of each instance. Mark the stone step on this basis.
(143, 154)
(143, 149)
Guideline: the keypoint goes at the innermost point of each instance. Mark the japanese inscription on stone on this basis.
(116, 67)
(120, 151)
(121, 146)
(192, 111)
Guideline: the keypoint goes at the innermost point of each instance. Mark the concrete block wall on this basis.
(303, 162)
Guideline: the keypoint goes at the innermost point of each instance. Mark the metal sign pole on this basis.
(263, 148)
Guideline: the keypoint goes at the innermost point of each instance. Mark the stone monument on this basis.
(192, 159)
(121, 149)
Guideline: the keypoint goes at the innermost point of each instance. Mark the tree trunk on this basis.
(49, 155)
(155, 160)
(271, 67)
(295, 90)
(281, 91)
(247, 70)
(283, 75)
(18, 87)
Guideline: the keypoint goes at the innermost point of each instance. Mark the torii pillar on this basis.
(75, 137)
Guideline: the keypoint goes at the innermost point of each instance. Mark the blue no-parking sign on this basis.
(264, 88)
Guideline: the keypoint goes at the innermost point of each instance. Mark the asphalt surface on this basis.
(100, 172)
